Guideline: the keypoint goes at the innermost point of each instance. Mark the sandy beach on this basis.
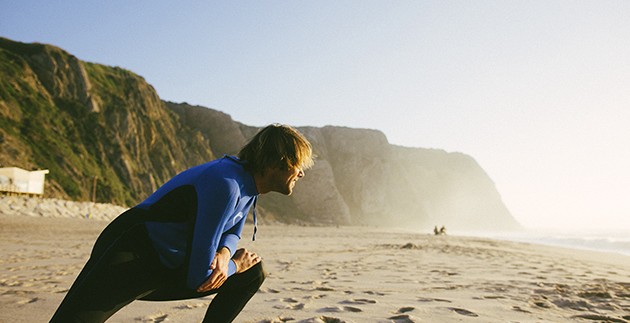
(345, 274)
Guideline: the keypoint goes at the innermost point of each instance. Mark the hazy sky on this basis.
(538, 92)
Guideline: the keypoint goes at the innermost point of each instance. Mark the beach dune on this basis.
(345, 274)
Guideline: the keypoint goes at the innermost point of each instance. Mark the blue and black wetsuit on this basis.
(162, 248)
(197, 212)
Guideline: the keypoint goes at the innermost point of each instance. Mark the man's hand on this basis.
(244, 260)
(219, 273)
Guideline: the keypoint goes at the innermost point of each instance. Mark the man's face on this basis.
(284, 179)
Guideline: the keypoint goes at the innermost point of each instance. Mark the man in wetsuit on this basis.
(180, 242)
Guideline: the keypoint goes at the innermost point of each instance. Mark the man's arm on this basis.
(219, 267)
(217, 198)
(243, 260)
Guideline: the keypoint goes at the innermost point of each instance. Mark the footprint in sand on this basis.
(190, 306)
(541, 301)
(160, 317)
(493, 297)
(405, 309)
(329, 274)
(280, 319)
(330, 309)
(369, 292)
(352, 309)
(462, 311)
(600, 318)
(404, 318)
(426, 300)
(322, 319)
(285, 265)
(337, 309)
(290, 300)
(27, 301)
(324, 289)
(519, 309)
(312, 297)
(358, 301)
(293, 304)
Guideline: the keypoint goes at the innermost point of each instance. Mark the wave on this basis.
(597, 243)
(615, 242)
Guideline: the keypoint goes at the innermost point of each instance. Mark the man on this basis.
(180, 242)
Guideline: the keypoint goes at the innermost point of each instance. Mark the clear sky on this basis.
(538, 92)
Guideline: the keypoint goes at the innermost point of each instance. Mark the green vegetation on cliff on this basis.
(83, 120)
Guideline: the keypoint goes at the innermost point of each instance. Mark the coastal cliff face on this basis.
(82, 120)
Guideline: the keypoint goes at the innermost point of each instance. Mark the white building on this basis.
(17, 180)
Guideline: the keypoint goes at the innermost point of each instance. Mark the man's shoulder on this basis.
(224, 169)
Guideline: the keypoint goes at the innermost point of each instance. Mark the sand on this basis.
(345, 274)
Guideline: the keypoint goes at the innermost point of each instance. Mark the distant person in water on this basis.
(181, 242)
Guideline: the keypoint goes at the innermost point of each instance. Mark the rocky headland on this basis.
(105, 128)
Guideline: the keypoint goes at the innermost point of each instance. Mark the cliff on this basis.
(83, 120)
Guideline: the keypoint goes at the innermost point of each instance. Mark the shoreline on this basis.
(558, 239)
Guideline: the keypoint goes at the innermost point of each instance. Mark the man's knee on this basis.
(259, 273)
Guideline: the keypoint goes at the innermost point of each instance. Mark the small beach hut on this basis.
(21, 181)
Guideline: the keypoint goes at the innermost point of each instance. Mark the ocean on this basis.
(614, 242)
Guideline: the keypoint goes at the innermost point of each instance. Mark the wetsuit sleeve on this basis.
(217, 199)
(231, 237)
(230, 240)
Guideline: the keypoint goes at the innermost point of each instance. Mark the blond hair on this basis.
(277, 146)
